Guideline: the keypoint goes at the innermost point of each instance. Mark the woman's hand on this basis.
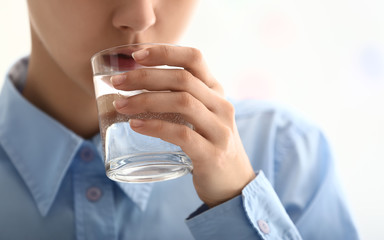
(221, 168)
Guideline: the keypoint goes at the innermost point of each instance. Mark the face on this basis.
(67, 33)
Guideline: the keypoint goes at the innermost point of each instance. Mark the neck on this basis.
(48, 88)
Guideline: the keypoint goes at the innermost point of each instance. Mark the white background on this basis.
(323, 58)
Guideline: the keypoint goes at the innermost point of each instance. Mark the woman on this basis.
(261, 173)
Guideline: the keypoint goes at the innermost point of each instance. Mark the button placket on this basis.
(93, 194)
(86, 154)
(93, 204)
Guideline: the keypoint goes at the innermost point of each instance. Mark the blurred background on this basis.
(324, 58)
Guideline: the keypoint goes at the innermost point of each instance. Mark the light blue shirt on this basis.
(53, 183)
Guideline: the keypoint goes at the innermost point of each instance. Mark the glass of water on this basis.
(128, 155)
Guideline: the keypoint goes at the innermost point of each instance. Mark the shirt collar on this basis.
(42, 163)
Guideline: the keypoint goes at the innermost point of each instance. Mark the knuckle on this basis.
(228, 108)
(166, 51)
(184, 134)
(226, 143)
(227, 134)
(145, 100)
(219, 89)
(196, 55)
(141, 74)
(160, 126)
(184, 100)
(184, 79)
(220, 158)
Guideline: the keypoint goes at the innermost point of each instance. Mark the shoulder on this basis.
(272, 115)
(278, 138)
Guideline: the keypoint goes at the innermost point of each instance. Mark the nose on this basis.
(135, 15)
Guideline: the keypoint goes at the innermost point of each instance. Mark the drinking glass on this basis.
(128, 155)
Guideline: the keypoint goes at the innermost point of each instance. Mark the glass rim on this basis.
(101, 52)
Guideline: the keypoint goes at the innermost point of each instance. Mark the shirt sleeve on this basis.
(256, 214)
(299, 198)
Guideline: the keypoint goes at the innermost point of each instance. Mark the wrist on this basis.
(211, 203)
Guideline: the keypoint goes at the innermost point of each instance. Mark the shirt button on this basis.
(94, 194)
(264, 227)
(86, 154)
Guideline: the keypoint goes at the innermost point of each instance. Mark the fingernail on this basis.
(120, 103)
(117, 79)
(140, 55)
(136, 123)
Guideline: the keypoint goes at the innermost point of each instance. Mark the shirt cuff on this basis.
(225, 221)
(265, 211)
(256, 214)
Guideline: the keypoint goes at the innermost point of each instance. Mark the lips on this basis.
(120, 62)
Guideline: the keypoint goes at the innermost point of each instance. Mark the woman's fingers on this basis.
(178, 80)
(190, 59)
(193, 111)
